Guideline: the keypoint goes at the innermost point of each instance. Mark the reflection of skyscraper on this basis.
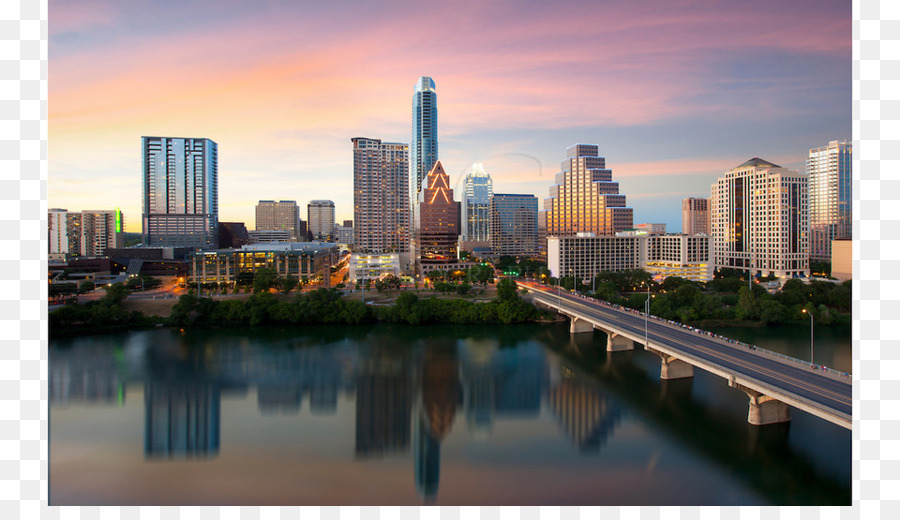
(181, 420)
(383, 413)
(440, 395)
(278, 398)
(587, 416)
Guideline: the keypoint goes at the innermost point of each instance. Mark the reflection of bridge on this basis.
(771, 383)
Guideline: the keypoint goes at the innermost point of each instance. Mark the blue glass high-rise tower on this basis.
(181, 198)
(423, 148)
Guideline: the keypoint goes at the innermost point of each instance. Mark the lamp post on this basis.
(810, 336)
(646, 314)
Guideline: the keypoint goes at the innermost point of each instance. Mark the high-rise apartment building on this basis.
(84, 233)
(513, 229)
(829, 169)
(584, 198)
(181, 197)
(64, 233)
(423, 149)
(380, 196)
(437, 219)
(100, 230)
(475, 219)
(283, 215)
(760, 220)
(321, 220)
(695, 216)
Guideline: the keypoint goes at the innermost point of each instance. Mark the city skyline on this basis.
(674, 95)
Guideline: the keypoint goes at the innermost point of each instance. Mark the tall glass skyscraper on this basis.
(181, 193)
(829, 169)
(423, 149)
(475, 205)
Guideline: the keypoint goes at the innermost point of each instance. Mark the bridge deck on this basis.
(814, 391)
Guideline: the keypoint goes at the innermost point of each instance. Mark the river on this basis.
(403, 415)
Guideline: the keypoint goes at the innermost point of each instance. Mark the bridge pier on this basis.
(578, 325)
(617, 342)
(672, 367)
(763, 409)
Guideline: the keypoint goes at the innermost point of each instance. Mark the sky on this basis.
(674, 92)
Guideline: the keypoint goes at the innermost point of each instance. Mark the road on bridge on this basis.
(828, 391)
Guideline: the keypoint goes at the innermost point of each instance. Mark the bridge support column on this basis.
(764, 409)
(578, 325)
(672, 367)
(617, 343)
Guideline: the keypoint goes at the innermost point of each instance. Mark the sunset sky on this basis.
(675, 93)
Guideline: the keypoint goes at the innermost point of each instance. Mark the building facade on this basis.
(373, 266)
(695, 216)
(760, 220)
(380, 196)
(64, 233)
(181, 198)
(685, 256)
(475, 218)
(83, 233)
(585, 254)
(513, 225)
(299, 259)
(437, 219)
(282, 215)
(829, 168)
(584, 198)
(651, 229)
(321, 220)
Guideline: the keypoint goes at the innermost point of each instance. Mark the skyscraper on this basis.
(283, 215)
(437, 218)
(475, 220)
(321, 220)
(181, 197)
(423, 149)
(380, 197)
(513, 221)
(584, 198)
(829, 169)
(760, 220)
(695, 216)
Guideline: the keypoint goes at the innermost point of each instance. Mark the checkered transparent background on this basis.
(23, 296)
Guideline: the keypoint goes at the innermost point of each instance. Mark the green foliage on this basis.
(86, 286)
(287, 283)
(264, 279)
(463, 289)
(506, 289)
(115, 293)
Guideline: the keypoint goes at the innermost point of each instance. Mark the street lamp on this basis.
(810, 336)
(646, 314)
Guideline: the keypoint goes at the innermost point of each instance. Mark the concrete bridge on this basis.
(772, 382)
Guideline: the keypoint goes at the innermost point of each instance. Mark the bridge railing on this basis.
(761, 351)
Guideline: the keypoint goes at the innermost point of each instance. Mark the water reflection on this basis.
(411, 398)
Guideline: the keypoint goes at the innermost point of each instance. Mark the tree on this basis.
(115, 293)
(288, 283)
(506, 289)
(746, 305)
(86, 286)
(264, 280)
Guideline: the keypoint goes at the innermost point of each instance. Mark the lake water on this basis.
(385, 415)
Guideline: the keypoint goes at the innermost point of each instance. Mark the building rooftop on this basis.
(758, 163)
